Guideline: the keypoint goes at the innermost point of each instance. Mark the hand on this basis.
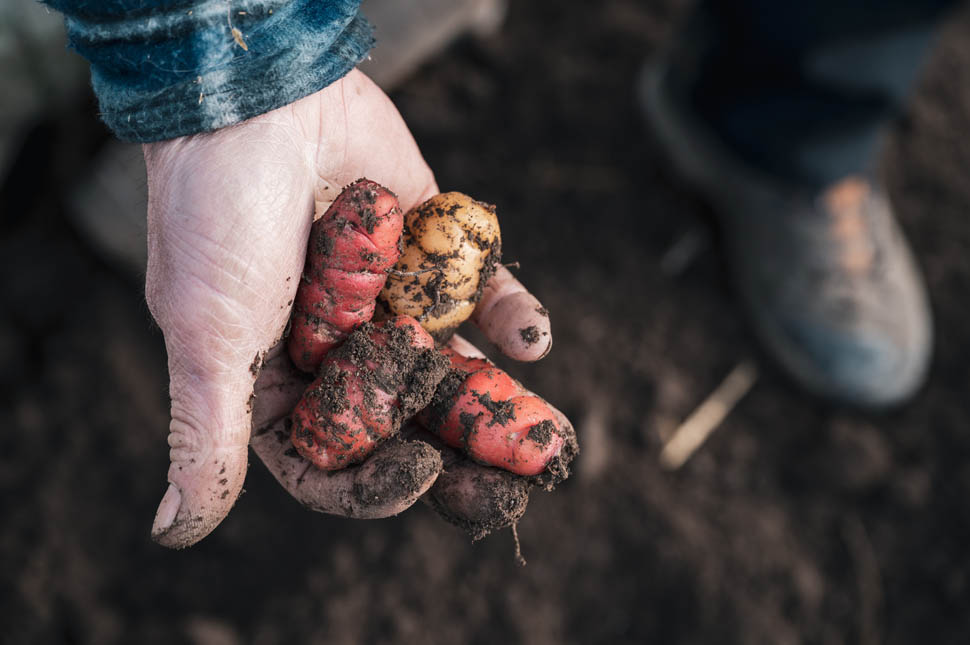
(228, 221)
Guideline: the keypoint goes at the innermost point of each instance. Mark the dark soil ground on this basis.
(796, 523)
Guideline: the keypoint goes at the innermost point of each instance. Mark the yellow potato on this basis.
(451, 247)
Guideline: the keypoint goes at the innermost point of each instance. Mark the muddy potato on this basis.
(451, 247)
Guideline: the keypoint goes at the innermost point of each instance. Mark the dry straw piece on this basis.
(689, 436)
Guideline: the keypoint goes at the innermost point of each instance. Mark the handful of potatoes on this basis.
(372, 377)
(451, 247)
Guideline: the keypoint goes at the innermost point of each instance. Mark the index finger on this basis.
(513, 318)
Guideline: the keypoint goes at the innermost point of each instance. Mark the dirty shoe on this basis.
(828, 279)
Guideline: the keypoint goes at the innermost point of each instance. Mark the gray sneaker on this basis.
(829, 281)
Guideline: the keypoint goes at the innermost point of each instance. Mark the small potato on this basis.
(365, 389)
(451, 247)
(488, 415)
(351, 247)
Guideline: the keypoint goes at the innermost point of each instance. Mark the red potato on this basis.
(351, 248)
(483, 411)
(380, 376)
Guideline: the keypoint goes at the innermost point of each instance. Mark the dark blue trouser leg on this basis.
(804, 89)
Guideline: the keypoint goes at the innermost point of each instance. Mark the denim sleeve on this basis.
(167, 68)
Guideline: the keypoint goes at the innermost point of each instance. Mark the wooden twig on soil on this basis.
(689, 436)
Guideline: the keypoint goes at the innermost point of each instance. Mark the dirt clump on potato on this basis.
(366, 388)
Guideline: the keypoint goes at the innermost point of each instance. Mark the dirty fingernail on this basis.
(168, 508)
(547, 350)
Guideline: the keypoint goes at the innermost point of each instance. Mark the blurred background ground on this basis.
(795, 523)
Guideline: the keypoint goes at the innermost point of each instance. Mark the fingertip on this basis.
(479, 499)
(198, 498)
(387, 483)
(393, 479)
(519, 326)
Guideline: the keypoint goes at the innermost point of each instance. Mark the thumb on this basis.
(208, 463)
(209, 383)
(226, 246)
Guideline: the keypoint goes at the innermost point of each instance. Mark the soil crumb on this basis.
(542, 433)
(530, 334)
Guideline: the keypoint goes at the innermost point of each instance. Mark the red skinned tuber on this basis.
(351, 248)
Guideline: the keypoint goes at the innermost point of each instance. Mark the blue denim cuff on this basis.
(168, 68)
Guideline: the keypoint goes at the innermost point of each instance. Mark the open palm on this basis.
(229, 217)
